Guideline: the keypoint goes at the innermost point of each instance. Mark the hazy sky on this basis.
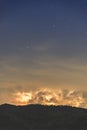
(43, 44)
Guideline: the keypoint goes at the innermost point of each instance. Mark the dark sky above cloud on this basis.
(43, 44)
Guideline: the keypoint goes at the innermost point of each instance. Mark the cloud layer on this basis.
(51, 97)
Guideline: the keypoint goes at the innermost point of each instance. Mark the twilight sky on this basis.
(43, 47)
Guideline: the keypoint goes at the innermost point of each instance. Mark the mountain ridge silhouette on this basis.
(42, 117)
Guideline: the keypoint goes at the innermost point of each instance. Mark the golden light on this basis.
(49, 97)
(23, 98)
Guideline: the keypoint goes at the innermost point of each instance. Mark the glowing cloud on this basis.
(50, 97)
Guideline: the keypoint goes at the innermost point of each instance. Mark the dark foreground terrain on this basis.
(37, 117)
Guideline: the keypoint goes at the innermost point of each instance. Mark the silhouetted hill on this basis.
(38, 117)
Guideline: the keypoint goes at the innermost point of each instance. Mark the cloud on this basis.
(51, 97)
(42, 47)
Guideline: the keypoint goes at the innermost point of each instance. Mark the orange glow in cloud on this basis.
(50, 97)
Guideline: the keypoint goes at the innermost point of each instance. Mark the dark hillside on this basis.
(38, 117)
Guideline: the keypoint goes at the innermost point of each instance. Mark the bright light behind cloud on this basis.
(50, 97)
(23, 98)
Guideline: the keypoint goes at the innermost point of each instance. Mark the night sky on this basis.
(43, 50)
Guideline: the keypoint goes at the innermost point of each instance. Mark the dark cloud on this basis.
(85, 95)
